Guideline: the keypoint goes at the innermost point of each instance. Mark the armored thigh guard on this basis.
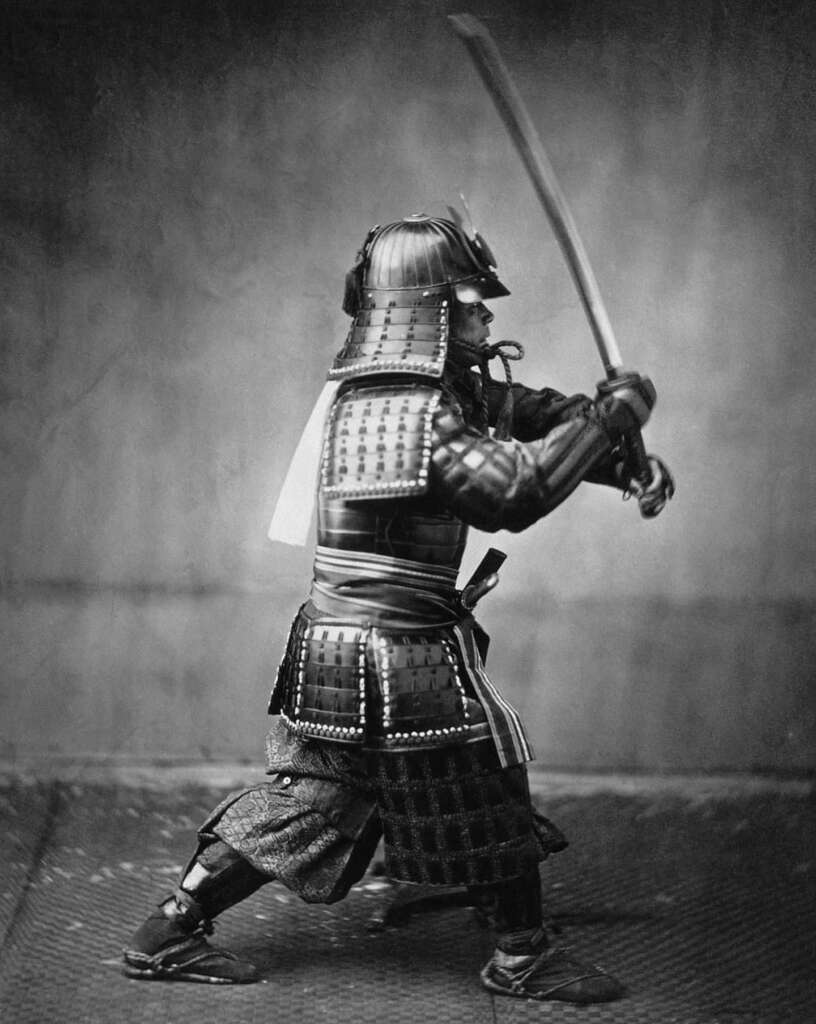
(454, 816)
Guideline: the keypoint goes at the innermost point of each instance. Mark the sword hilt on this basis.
(637, 462)
(634, 451)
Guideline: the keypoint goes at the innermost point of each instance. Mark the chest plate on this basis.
(378, 442)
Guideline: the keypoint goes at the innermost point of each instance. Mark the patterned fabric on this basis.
(509, 736)
(313, 826)
(273, 827)
(450, 816)
(329, 762)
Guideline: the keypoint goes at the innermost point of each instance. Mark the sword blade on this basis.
(522, 131)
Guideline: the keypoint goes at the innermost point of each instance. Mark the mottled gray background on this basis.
(183, 187)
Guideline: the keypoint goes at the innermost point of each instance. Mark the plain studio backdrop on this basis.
(183, 188)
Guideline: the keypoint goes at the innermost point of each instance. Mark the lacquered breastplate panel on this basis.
(405, 528)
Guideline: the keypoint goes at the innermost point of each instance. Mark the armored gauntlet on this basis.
(625, 404)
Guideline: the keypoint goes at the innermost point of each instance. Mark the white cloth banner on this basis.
(292, 518)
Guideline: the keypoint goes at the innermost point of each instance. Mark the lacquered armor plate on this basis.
(397, 331)
(378, 442)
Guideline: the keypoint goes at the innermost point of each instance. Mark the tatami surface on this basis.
(700, 895)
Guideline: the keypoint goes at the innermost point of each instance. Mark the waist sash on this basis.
(385, 590)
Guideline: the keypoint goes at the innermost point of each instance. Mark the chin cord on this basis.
(482, 354)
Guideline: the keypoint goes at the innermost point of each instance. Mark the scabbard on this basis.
(492, 562)
(484, 579)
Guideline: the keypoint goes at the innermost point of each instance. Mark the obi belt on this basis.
(383, 655)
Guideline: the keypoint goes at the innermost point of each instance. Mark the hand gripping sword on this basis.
(522, 131)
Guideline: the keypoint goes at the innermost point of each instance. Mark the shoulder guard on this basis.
(378, 441)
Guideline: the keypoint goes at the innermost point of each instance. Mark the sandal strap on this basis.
(191, 913)
(518, 981)
(195, 944)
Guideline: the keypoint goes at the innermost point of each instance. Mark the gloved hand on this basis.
(624, 404)
(652, 498)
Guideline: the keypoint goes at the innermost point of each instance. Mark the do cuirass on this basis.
(383, 653)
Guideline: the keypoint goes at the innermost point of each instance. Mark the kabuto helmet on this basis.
(400, 291)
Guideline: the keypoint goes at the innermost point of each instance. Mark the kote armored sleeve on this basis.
(500, 485)
(535, 410)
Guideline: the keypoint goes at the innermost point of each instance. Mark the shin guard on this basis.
(515, 909)
(219, 877)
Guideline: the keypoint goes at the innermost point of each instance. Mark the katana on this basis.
(516, 119)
